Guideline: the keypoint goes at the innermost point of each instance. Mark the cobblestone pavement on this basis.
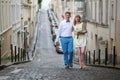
(48, 65)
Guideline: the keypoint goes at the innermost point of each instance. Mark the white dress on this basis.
(79, 41)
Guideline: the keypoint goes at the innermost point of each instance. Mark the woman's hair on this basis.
(75, 19)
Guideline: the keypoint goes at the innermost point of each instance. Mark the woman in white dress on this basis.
(79, 29)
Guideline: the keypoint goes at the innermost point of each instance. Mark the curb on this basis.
(102, 66)
(10, 64)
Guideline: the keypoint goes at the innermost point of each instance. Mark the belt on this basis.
(65, 36)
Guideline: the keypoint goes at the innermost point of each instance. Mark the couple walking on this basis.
(66, 27)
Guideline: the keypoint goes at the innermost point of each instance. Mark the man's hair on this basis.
(68, 13)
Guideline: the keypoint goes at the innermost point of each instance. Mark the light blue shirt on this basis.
(64, 29)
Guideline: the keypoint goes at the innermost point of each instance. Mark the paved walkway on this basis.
(48, 65)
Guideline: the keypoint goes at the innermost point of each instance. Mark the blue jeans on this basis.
(67, 47)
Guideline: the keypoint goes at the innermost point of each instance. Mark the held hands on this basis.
(79, 33)
(57, 43)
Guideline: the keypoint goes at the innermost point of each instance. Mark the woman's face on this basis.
(77, 19)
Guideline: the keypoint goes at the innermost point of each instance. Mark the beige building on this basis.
(7, 10)
(15, 16)
(61, 6)
(103, 22)
(73, 6)
(57, 7)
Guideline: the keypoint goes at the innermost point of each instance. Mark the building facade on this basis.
(9, 22)
(57, 7)
(17, 23)
(102, 25)
(73, 6)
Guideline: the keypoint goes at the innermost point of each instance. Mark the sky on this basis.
(45, 4)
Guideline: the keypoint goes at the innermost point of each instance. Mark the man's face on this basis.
(67, 16)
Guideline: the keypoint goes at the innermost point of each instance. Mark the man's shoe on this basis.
(71, 65)
(66, 67)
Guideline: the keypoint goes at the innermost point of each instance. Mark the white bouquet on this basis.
(78, 30)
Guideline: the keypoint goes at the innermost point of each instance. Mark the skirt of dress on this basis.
(80, 41)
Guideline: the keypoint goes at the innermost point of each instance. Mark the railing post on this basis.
(0, 54)
(114, 56)
(99, 57)
(106, 56)
(89, 58)
(86, 57)
(27, 55)
(18, 54)
(94, 57)
(11, 46)
(15, 53)
(21, 54)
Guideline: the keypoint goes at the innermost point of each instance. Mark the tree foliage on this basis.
(39, 3)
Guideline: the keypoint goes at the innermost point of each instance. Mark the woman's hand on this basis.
(80, 33)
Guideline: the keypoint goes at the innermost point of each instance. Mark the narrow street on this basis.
(48, 65)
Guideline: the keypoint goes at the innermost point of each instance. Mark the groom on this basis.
(65, 35)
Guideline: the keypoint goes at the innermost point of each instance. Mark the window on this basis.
(13, 13)
(101, 11)
(118, 10)
(25, 23)
(19, 11)
(10, 13)
(3, 15)
(88, 11)
(7, 14)
(105, 11)
(112, 12)
(93, 10)
(97, 12)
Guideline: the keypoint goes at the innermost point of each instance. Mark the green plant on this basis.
(39, 3)
(6, 58)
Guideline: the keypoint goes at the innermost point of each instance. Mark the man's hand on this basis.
(79, 33)
(56, 43)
